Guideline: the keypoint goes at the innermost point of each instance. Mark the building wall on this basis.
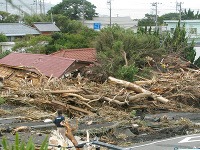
(124, 22)
(192, 28)
(6, 46)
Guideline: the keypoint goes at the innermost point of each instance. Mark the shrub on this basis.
(127, 72)
(2, 100)
(17, 145)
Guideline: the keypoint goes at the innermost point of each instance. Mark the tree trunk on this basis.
(138, 89)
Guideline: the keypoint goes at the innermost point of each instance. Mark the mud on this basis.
(118, 132)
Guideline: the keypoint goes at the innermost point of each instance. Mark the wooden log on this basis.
(114, 101)
(75, 95)
(69, 134)
(64, 91)
(61, 105)
(92, 96)
(140, 95)
(138, 89)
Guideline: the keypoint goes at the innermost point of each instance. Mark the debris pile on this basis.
(173, 88)
(166, 91)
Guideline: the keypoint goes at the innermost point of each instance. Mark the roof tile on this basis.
(46, 27)
(46, 64)
(16, 29)
(84, 54)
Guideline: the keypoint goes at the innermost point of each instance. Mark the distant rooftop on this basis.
(17, 29)
(114, 20)
(46, 26)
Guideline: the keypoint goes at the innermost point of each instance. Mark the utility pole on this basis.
(6, 6)
(83, 12)
(156, 17)
(43, 7)
(109, 3)
(180, 9)
(35, 2)
(40, 3)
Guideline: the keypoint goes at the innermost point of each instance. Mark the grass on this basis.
(18, 145)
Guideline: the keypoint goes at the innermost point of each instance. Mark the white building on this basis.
(100, 22)
(192, 28)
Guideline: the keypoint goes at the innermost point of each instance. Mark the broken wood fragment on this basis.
(60, 105)
(64, 91)
(75, 95)
(138, 89)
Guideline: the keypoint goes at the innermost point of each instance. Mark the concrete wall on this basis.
(6, 46)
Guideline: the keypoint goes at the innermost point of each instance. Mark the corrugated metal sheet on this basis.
(16, 29)
(46, 64)
(84, 54)
(46, 27)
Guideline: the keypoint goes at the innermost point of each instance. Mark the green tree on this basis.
(3, 38)
(73, 9)
(189, 15)
(178, 43)
(84, 39)
(30, 19)
(2, 55)
(149, 20)
(168, 16)
(8, 18)
(122, 53)
(67, 25)
(32, 44)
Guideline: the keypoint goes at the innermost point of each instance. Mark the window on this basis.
(193, 30)
(172, 30)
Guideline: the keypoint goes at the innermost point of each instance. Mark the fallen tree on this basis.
(139, 89)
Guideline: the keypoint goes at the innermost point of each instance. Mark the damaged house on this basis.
(47, 65)
(83, 54)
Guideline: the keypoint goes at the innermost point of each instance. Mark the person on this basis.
(58, 122)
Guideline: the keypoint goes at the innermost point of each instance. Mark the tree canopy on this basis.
(122, 53)
(190, 15)
(8, 18)
(149, 20)
(3, 38)
(74, 9)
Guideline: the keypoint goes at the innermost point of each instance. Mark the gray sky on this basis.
(138, 8)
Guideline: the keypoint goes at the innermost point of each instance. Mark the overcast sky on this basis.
(138, 8)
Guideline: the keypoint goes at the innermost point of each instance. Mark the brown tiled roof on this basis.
(48, 65)
(83, 54)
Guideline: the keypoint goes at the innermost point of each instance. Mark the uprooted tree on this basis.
(123, 54)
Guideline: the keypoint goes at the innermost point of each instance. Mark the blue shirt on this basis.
(58, 120)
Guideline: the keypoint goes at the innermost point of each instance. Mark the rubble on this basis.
(174, 89)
